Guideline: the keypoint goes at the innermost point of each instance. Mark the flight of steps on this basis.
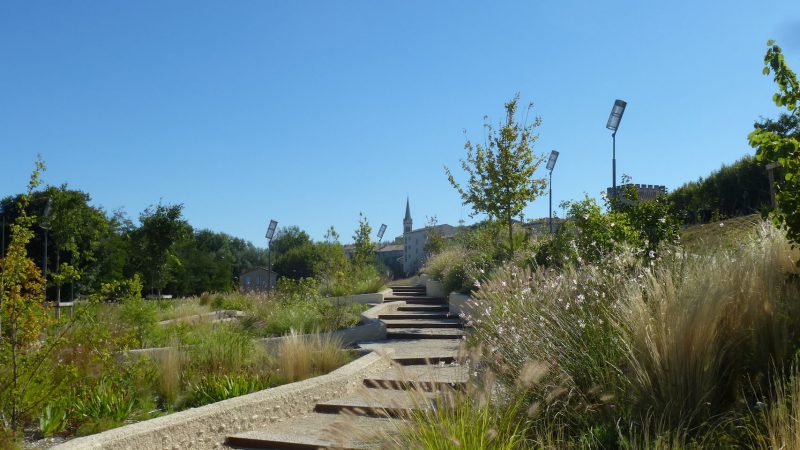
(425, 340)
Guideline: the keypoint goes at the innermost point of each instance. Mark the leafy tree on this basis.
(435, 240)
(734, 190)
(501, 182)
(154, 242)
(363, 249)
(294, 253)
(23, 345)
(782, 149)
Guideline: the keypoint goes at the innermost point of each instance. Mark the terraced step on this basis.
(421, 377)
(419, 351)
(428, 308)
(422, 301)
(378, 403)
(425, 333)
(314, 431)
(416, 315)
(424, 323)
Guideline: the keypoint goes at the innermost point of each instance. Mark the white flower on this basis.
(721, 224)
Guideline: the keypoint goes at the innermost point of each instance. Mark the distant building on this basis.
(391, 255)
(646, 191)
(255, 280)
(542, 226)
(414, 241)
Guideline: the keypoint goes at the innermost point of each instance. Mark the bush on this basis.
(214, 388)
(671, 346)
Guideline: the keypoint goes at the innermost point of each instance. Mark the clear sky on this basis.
(309, 112)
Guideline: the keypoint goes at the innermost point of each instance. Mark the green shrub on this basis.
(668, 346)
(139, 317)
(226, 349)
(108, 400)
(53, 418)
(214, 388)
(464, 422)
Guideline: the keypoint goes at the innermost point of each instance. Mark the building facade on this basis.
(255, 280)
(645, 191)
(414, 241)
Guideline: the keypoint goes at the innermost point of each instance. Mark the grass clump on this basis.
(674, 347)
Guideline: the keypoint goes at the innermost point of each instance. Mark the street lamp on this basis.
(270, 233)
(551, 163)
(380, 234)
(613, 123)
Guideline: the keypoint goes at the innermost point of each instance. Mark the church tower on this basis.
(407, 220)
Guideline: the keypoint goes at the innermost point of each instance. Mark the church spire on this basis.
(407, 220)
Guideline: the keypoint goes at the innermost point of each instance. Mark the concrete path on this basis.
(426, 342)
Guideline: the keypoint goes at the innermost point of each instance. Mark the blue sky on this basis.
(309, 112)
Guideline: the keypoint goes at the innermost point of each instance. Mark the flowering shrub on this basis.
(665, 346)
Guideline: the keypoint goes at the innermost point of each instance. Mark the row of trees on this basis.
(86, 247)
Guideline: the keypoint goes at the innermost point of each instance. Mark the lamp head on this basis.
(552, 161)
(271, 229)
(616, 115)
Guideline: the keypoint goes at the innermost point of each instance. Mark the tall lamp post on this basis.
(551, 163)
(270, 233)
(613, 123)
(45, 225)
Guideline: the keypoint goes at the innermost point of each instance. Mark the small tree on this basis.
(161, 228)
(501, 182)
(363, 250)
(435, 240)
(782, 149)
(23, 312)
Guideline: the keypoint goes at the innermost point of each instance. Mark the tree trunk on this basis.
(510, 235)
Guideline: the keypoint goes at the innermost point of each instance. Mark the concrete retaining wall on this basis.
(434, 288)
(206, 427)
(370, 329)
(465, 306)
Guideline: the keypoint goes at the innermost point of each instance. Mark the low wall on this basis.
(207, 426)
(434, 288)
(370, 329)
(465, 306)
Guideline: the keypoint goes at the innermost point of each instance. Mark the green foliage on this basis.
(162, 227)
(782, 148)
(139, 319)
(465, 422)
(672, 348)
(501, 171)
(738, 189)
(435, 242)
(363, 249)
(214, 388)
(119, 290)
(53, 418)
(226, 349)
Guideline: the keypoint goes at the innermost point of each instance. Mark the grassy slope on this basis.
(724, 233)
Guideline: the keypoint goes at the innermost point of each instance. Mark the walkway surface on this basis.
(425, 340)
